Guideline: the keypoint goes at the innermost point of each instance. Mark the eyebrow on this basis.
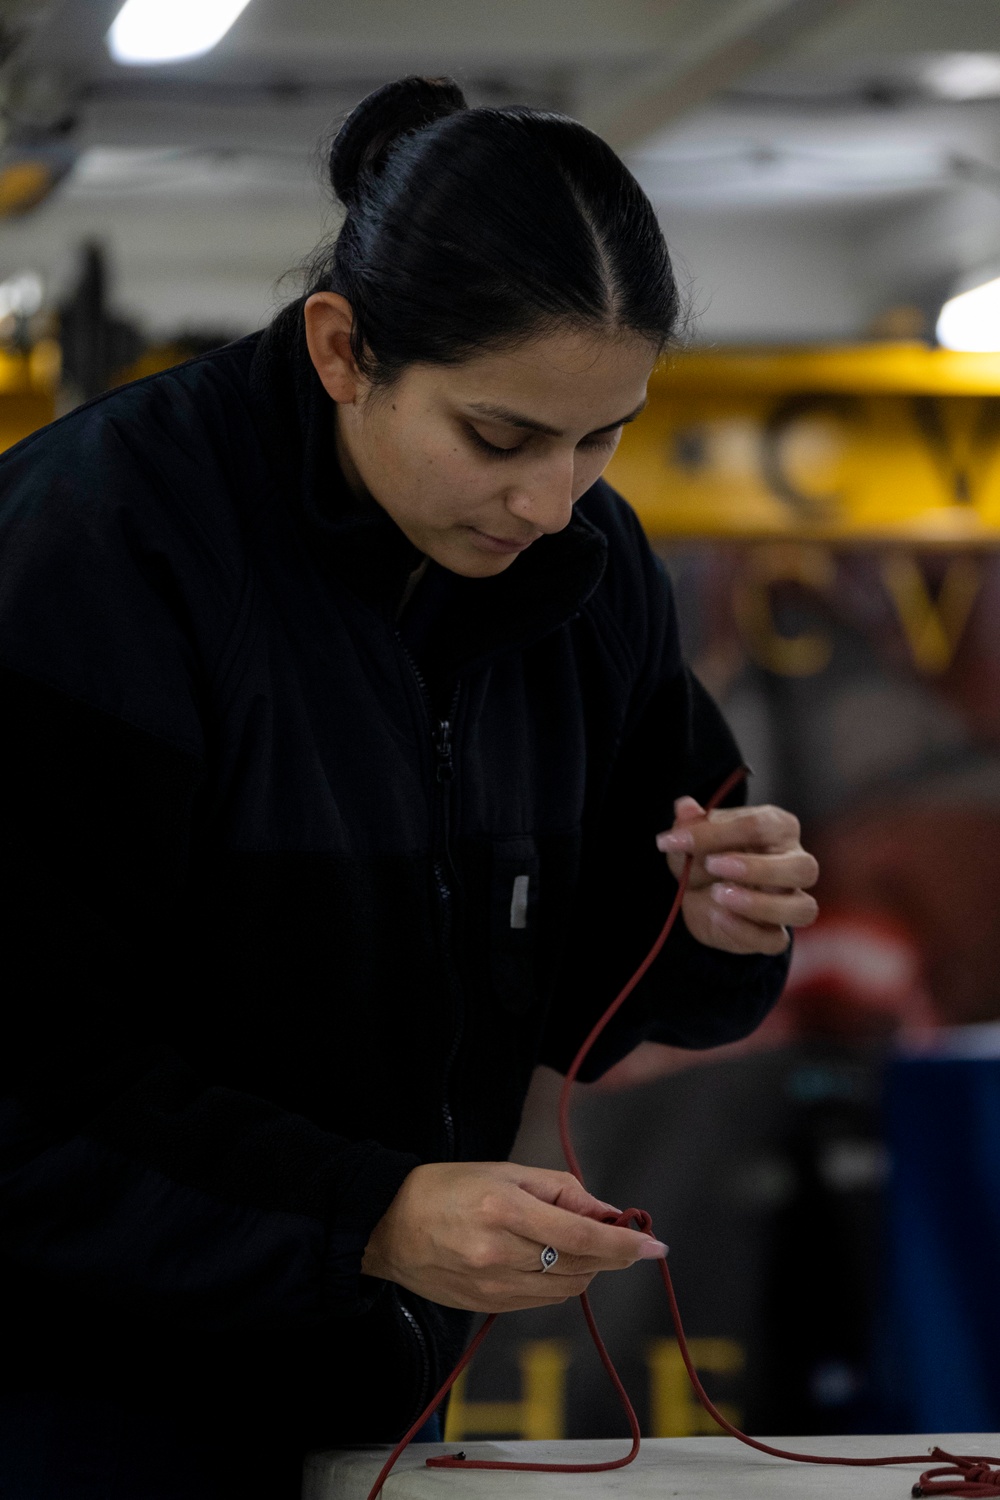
(517, 419)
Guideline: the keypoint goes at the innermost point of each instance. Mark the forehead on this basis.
(563, 379)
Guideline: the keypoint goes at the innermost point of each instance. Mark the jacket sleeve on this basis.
(123, 1175)
(673, 740)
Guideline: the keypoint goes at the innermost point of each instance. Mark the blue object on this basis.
(432, 1430)
(943, 1129)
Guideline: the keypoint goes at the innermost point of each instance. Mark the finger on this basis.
(767, 908)
(795, 871)
(523, 1295)
(503, 1281)
(529, 1259)
(563, 1291)
(545, 1285)
(734, 934)
(768, 829)
(563, 1190)
(611, 1247)
(502, 1253)
(509, 1294)
(687, 810)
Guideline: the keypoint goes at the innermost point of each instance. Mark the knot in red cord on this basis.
(632, 1218)
(964, 1477)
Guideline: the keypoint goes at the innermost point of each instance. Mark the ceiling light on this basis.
(21, 295)
(162, 31)
(964, 75)
(971, 321)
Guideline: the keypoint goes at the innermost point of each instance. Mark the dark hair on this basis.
(468, 229)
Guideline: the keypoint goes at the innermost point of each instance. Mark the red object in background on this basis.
(855, 976)
(931, 864)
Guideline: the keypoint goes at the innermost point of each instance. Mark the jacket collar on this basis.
(359, 542)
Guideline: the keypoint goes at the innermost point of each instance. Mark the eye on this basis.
(480, 442)
(601, 440)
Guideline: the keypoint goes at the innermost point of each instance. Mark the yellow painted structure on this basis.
(23, 185)
(28, 385)
(539, 1414)
(878, 442)
(153, 361)
(674, 1409)
(932, 624)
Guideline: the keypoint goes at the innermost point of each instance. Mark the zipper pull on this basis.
(442, 744)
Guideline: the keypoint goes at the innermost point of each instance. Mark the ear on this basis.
(329, 321)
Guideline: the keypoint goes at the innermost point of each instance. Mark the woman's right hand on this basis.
(470, 1234)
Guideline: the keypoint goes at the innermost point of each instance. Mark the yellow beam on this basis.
(885, 443)
(892, 368)
(28, 383)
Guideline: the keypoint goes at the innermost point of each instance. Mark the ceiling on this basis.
(773, 135)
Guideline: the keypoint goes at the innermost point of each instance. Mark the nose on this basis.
(546, 499)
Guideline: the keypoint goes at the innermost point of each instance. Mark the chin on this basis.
(469, 563)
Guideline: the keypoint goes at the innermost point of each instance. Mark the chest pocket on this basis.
(514, 908)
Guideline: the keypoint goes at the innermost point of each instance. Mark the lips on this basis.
(503, 543)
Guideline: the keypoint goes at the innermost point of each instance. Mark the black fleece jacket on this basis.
(295, 895)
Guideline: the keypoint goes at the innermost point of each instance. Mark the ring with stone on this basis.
(548, 1258)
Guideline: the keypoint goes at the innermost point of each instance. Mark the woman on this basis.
(344, 706)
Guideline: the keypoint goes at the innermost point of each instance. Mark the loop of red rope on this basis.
(974, 1476)
(970, 1478)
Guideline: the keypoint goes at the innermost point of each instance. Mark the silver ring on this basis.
(548, 1258)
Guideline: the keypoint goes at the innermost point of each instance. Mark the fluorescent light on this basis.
(21, 295)
(964, 75)
(162, 31)
(971, 321)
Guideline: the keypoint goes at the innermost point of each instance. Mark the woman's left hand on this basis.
(750, 875)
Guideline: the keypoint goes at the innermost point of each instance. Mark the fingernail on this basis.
(675, 843)
(729, 866)
(687, 804)
(730, 895)
(653, 1250)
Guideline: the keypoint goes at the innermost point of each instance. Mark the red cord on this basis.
(968, 1478)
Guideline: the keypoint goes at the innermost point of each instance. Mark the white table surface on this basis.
(709, 1467)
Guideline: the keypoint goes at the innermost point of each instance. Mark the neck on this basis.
(349, 469)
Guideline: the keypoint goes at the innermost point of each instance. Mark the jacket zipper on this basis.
(444, 769)
(425, 1355)
(445, 773)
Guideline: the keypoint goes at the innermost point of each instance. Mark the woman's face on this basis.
(476, 461)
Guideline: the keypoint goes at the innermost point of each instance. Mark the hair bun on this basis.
(373, 127)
